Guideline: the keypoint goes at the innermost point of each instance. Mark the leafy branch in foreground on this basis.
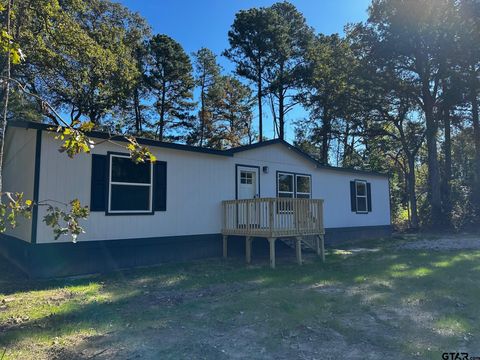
(8, 46)
(12, 206)
(138, 153)
(75, 140)
(64, 222)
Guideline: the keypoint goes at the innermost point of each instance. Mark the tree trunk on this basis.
(161, 125)
(326, 129)
(138, 115)
(281, 115)
(281, 106)
(412, 195)
(260, 112)
(276, 130)
(202, 115)
(94, 116)
(346, 150)
(447, 176)
(352, 146)
(434, 193)
(6, 94)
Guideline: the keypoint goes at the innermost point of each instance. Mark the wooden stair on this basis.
(308, 242)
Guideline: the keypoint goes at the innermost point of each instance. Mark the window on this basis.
(303, 186)
(285, 185)
(246, 177)
(361, 196)
(294, 185)
(130, 186)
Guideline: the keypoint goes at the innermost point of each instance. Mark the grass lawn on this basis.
(379, 302)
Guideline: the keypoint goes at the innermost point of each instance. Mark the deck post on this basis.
(248, 249)
(322, 246)
(298, 249)
(272, 251)
(225, 246)
(317, 245)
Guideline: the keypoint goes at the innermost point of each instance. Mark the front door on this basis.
(248, 187)
(247, 182)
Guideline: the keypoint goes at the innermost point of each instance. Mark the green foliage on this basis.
(228, 114)
(7, 45)
(78, 53)
(207, 79)
(225, 116)
(207, 70)
(169, 77)
(290, 38)
(114, 23)
(328, 90)
(13, 206)
(249, 39)
(22, 107)
(75, 138)
(76, 141)
(66, 222)
(268, 46)
(63, 222)
(138, 153)
(232, 107)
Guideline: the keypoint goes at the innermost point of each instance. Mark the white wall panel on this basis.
(196, 185)
(331, 185)
(18, 172)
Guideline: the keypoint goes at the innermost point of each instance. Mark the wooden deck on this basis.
(275, 218)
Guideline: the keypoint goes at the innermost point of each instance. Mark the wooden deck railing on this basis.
(273, 217)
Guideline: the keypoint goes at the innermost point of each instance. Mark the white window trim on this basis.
(246, 178)
(286, 192)
(309, 177)
(361, 196)
(110, 183)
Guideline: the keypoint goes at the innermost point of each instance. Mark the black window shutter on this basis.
(353, 196)
(369, 197)
(98, 192)
(160, 186)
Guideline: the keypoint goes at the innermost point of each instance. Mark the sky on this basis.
(205, 23)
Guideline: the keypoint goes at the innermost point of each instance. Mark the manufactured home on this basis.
(192, 203)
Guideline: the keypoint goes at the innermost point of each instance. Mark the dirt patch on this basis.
(467, 242)
(60, 297)
(177, 297)
(78, 347)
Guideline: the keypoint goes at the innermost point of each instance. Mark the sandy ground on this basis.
(459, 242)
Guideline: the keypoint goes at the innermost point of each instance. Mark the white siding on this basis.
(18, 172)
(196, 185)
(331, 185)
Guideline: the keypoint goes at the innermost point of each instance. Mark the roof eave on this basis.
(143, 141)
(306, 156)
